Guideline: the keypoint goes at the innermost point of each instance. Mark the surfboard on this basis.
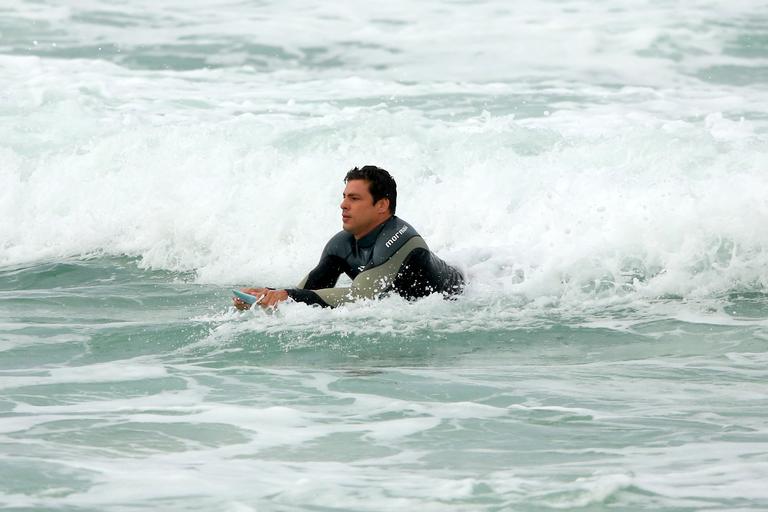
(245, 297)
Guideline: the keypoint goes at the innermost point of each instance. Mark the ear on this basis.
(382, 205)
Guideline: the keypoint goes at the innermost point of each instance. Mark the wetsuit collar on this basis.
(370, 239)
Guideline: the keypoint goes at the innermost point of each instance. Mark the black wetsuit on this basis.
(393, 257)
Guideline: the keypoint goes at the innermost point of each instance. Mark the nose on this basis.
(344, 205)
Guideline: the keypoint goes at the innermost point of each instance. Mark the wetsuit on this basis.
(393, 257)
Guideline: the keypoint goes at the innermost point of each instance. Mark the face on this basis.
(359, 214)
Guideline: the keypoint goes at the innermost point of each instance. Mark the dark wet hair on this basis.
(381, 184)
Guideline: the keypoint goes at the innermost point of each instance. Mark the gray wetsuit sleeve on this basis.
(369, 284)
(329, 268)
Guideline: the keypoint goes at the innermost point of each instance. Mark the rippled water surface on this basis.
(599, 172)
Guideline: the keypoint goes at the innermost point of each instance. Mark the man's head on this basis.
(370, 198)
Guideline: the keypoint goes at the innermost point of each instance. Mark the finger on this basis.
(240, 305)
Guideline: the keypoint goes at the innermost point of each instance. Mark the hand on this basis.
(256, 292)
(272, 298)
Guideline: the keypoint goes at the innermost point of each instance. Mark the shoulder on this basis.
(339, 244)
(395, 234)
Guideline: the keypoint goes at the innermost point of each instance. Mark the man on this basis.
(379, 251)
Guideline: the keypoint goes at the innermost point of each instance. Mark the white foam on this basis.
(592, 491)
(99, 372)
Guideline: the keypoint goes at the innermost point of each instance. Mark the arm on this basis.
(367, 285)
(324, 275)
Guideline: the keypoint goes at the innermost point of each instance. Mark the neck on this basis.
(369, 230)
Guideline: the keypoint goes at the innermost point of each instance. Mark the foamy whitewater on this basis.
(598, 171)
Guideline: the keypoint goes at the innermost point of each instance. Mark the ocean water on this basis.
(598, 170)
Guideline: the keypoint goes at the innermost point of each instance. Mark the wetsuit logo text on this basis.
(396, 236)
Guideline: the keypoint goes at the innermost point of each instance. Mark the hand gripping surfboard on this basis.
(246, 297)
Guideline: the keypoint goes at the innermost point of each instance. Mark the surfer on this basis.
(379, 251)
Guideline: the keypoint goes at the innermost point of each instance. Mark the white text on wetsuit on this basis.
(396, 236)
